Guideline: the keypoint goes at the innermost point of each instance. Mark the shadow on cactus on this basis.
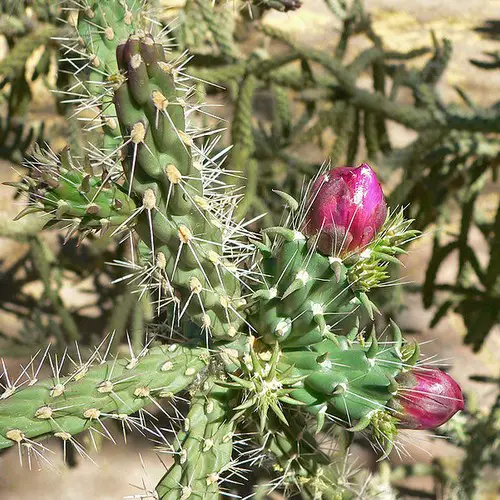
(257, 323)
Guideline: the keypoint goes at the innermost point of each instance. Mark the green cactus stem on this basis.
(299, 463)
(343, 380)
(302, 292)
(203, 448)
(71, 195)
(102, 25)
(162, 162)
(304, 295)
(351, 381)
(95, 391)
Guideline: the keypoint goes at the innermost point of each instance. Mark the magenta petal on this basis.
(347, 208)
(427, 398)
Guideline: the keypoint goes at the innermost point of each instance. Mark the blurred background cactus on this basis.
(141, 266)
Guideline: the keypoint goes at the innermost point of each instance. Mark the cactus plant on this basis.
(257, 321)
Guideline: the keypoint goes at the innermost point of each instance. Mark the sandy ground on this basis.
(403, 25)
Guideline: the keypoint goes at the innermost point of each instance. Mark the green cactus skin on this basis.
(108, 203)
(343, 379)
(298, 457)
(177, 224)
(302, 293)
(353, 382)
(351, 394)
(102, 25)
(63, 407)
(204, 447)
(60, 187)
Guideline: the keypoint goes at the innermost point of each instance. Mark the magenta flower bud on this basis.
(347, 208)
(427, 398)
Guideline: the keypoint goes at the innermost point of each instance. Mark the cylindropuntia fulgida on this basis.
(271, 354)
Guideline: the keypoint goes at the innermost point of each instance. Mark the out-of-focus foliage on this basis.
(25, 28)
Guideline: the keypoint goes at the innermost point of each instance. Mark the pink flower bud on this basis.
(347, 207)
(427, 398)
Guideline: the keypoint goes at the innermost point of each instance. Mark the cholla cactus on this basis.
(270, 355)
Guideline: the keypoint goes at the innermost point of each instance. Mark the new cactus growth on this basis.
(164, 167)
(270, 352)
(204, 447)
(71, 195)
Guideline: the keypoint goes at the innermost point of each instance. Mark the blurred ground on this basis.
(403, 24)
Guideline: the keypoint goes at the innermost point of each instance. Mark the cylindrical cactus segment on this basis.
(304, 466)
(348, 377)
(301, 295)
(203, 448)
(102, 25)
(352, 381)
(162, 165)
(73, 194)
(66, 406)
(346, 380)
